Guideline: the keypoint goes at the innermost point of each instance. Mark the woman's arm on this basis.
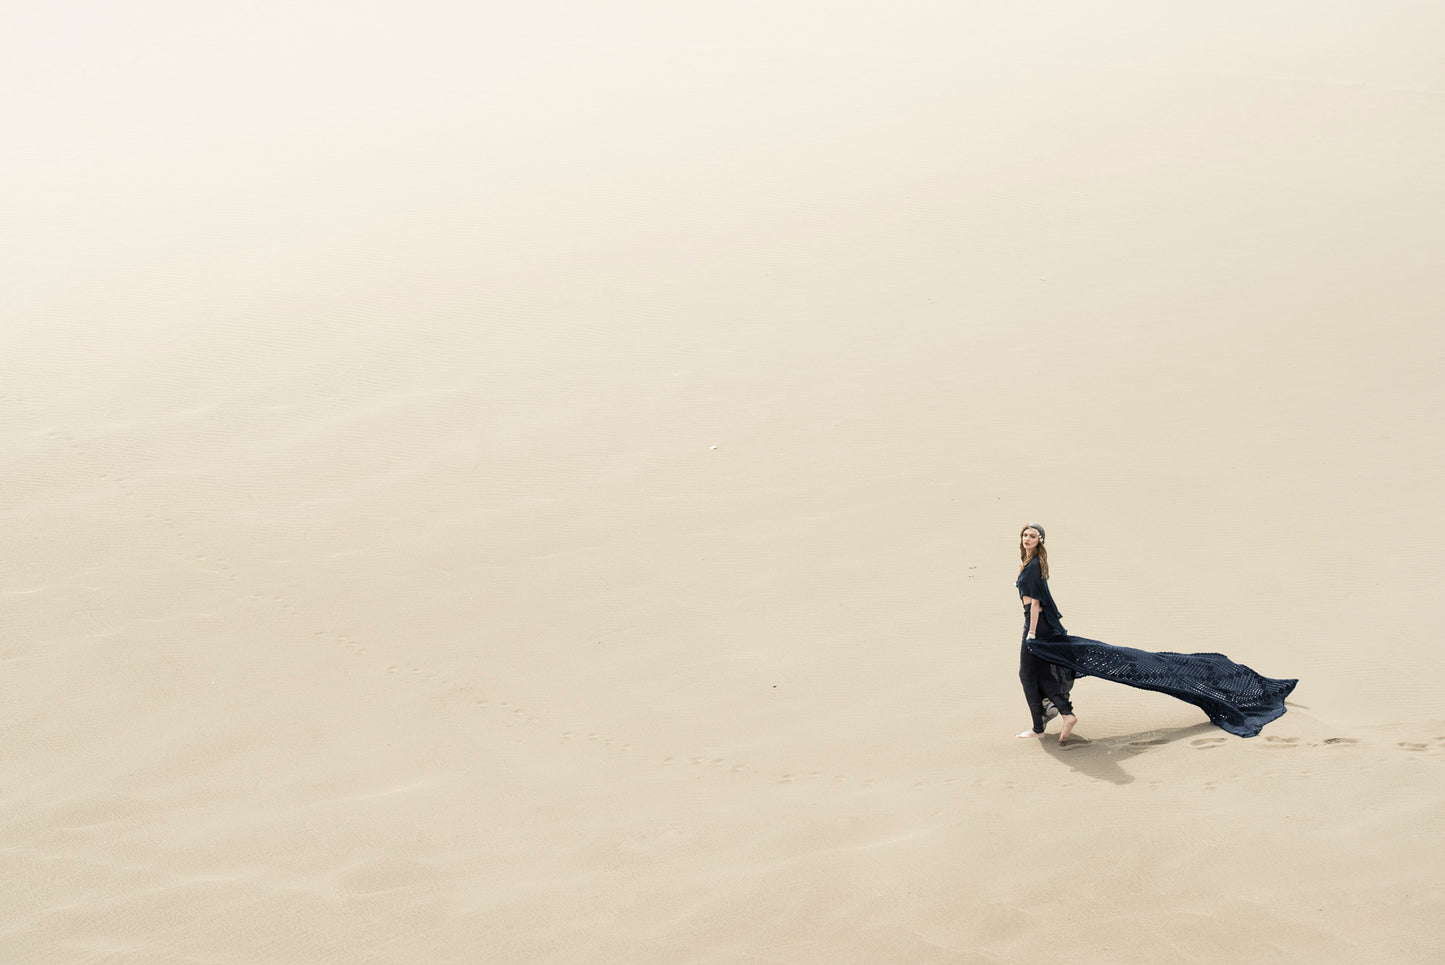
(1035, 608)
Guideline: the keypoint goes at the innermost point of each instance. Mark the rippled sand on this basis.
(543, 487)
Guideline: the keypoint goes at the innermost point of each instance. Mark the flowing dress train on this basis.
(1235, 697)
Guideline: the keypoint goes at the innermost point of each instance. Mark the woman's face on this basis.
(1029, 540)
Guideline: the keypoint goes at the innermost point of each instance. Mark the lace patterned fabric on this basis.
(1235, 697)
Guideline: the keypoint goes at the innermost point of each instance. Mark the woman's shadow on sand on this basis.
(1100, 759)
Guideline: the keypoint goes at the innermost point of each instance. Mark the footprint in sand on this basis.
(1281, 742)
(1339, 740)
(1205, 743)
(1152, 742)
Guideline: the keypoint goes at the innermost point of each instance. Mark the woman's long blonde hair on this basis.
(1040, 551)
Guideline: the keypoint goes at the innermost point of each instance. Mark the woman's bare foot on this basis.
(1069, 721)
(1031, 733)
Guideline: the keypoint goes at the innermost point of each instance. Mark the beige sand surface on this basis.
(542, 486)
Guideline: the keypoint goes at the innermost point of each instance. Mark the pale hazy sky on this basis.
(151, 140)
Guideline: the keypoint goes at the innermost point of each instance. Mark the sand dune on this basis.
(543, 486)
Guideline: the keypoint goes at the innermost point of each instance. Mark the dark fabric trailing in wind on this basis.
(1234, 696)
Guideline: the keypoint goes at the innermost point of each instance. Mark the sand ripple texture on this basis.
(540, 486)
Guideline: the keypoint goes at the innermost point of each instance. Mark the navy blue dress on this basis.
(1234, 697)
(1041, 679)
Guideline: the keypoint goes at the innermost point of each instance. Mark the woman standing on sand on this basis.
(1043, 682)
(1235, 697)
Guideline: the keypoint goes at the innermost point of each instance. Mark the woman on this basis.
(1235, 697)
(1046, 685)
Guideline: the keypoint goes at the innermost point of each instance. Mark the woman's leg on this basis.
(1049, 681)
(1061, 700)
(1029, 676)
